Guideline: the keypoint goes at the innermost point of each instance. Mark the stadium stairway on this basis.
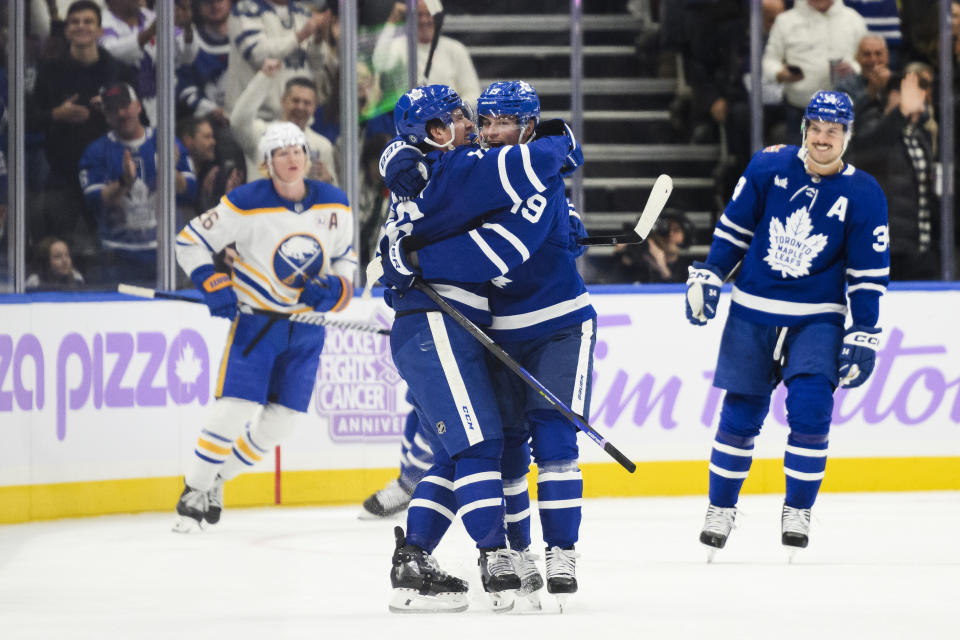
(628, 138)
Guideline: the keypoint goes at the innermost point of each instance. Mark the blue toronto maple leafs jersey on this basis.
(465, 184)
(523, 250)
(807, 242)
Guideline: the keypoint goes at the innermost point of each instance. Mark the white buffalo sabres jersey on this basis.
(807, 242)
(281, 244)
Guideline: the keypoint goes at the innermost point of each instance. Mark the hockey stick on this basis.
(656, 201)
(435, 7)
(524, 375)
(304, 318)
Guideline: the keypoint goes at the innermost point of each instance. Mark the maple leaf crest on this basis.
(792, 248)
(188, 367)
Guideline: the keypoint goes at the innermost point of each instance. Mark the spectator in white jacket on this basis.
(451, 64)
(298, 102)
(810, 47)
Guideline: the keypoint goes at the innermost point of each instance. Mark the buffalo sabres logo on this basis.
(298, 258)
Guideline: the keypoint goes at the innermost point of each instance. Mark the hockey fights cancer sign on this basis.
(139, 377)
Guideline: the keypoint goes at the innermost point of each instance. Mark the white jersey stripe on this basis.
(441, 341)
(517, 517)
(726, 473)
(516, 488)
(807, 453)
(437, 480)
(800, 475)
(509, 237)
(866, 285)
(559, 504)
(528, 168)
(531, 318)
(488, 251)
(433, 506)
(732, 451)
(729, 238)
(505, 180)
(463, 296)
(483, 476)
(868, 273)
(733, 225)
(417, 462)
(783, 307)
(480, 504)
(559, 476)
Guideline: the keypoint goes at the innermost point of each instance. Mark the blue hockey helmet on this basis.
(830, 106)
(511, 98)
(417, 107)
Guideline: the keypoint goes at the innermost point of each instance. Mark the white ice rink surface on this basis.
(879, 566)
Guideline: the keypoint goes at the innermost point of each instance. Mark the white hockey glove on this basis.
(858, 355)
(703, 292)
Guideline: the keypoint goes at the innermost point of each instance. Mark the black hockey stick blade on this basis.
(656, 201)
(523, 374)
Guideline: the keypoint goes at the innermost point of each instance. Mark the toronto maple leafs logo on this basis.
(792, 248)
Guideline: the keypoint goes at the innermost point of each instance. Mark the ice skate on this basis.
(716, 528)
(561, 574)
(794, 528)
(214, 501)
(499, 576)
(390, 500)
(531, 581)
(191, 510)
(420, 585)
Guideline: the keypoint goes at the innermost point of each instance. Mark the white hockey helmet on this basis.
(278, 136)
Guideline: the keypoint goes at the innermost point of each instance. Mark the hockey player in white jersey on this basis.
(443, 365)
(812, 233)
(294, 240)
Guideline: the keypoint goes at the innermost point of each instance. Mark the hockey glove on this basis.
(703, 292)
(217, 290)
(324, 293)
(398, 272)
(404, 169)
(557, 127)
(858, 355)
(577, 231)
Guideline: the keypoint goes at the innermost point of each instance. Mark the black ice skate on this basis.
(420, 585)
(717, 527)
(390, 500)
(561, 573)
(214, 501)
(794, 528)
(191, 510)
(498, 573)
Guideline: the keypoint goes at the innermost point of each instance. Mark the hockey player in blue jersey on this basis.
(443, 365)
(294, 242)
(812, 233)
(541, 315)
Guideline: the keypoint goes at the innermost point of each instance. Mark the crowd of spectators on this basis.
(91, 107)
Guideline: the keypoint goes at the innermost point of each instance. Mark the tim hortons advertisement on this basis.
(105, 390)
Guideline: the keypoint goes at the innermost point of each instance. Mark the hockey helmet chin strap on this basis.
(449, 144)
(273, 173)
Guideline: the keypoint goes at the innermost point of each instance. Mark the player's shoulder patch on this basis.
(774, 148)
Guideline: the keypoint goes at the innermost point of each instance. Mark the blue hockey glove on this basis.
(858, 355)
(404, 169)
(217, 290)
(323, 293)
(398, 272)
(557, 127)
(577, 231)
(703, 292)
